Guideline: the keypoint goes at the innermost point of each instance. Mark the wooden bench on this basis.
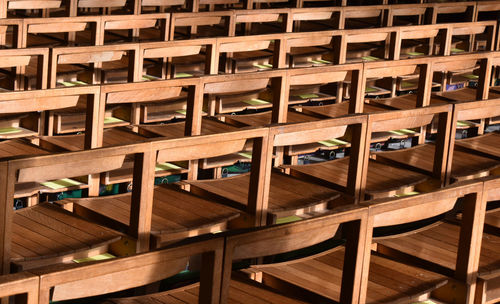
(24, 69)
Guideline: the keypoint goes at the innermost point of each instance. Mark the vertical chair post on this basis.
(7, 175)
(141, 208)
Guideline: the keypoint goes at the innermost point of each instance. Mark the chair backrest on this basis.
(20, 284)
(19, 60)
(361, 36)
(417, 118)
(14, 5)
(201, 24)
(362, 16)
(311, 132)
(429, 32)
(262, 21)
(53, 99)
(68, 25)
(68, 282)
(96, 7)
(300, 18)
(137, 93)
(395, 211)
(229, 45)
(167, 51)
(492, 189)
(443, 12)
(63, 165)
(217, 85)
(394, 12)
(95, 57)
(13, 26)
(134, 25)
(284, 238)
(473, 30)
(144, 6)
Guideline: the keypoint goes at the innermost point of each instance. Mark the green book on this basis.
(263, 66)
(406, 84)
(402, 132)
(333, 142)
(455, 50)
(463, 123)
(182, 111)
(183, 75)
(321, 61)
(149, 77)
(61, 183)
(166, 167)
(9, 130)
(370, 89)
(246, 154)
(415, 54)
(108, 120)
(370, 58)
(307, 96)
(256, 102)
(288, 219)
(471, 76)
(407, 194)
(72, 83)
(99, 257)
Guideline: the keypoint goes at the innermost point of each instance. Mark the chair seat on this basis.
(288, 195)
(404, 102)
(111, 137)
(176, 130)
(18, 147)
(439, 245)
(45, 234)
(388, 281)
(240, 291)
(465, 165)
(339, 109)
(382, 180)
(176, 213)
(465, 94)
(264, 118)
(488, 144)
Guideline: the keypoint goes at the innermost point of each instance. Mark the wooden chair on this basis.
(307, 88)
(194, 215)
(24, 120)
(104, 64)
(349, 267)
(60, 31)
(172, 59)
(239, 92)
(24, 69)
(139, 28)
(19, 7)
(163, 6)
(375, 181)
(357, 17)
(69, 237)
(96, 7)
(11, 32)
(201, 25)
(292, 198)
(71, 282)
(486, 291)
(462, 250)
(403, 15)
(450, 12)
(249, 53)
(24, 286)
(385, 280)
(261, 21)
(315, 19)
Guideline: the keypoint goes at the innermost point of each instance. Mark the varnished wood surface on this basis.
(46, 231)
(264, 118)
(240, 291)
(382, 179)
(388, 281)
(176, 129)
(173, 211)
(287, 196)
(439, 245)
(465, 165)
(488, 144)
